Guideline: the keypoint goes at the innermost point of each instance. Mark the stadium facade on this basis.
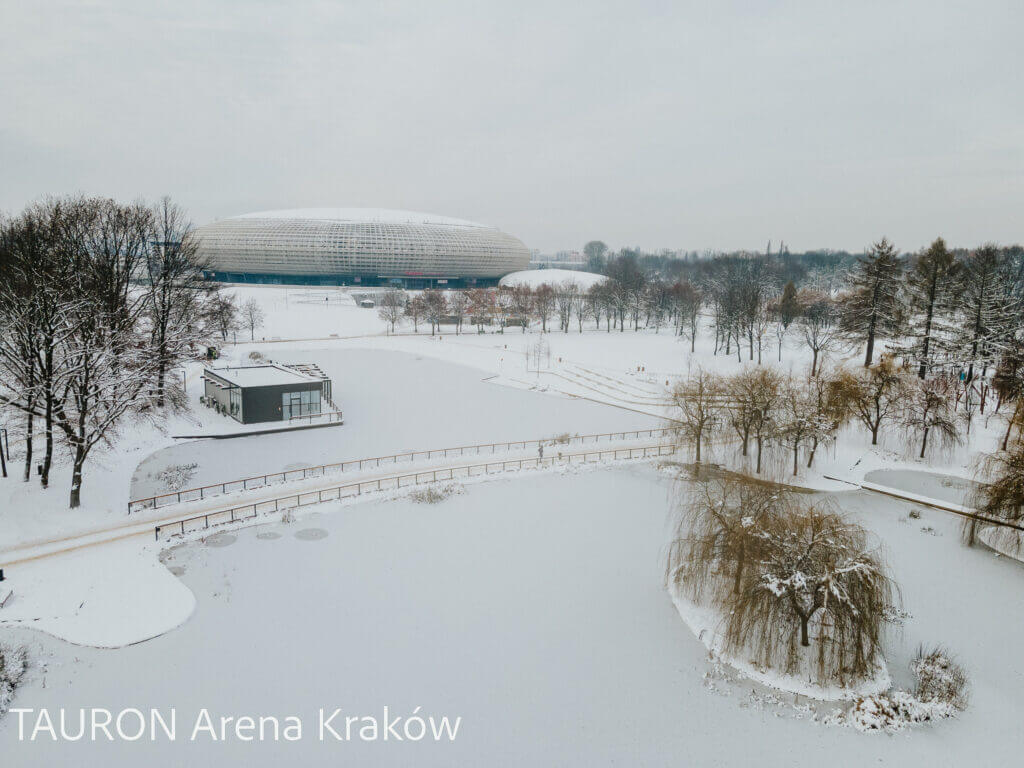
(357, 246)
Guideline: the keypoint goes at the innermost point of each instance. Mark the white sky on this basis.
(712, 124)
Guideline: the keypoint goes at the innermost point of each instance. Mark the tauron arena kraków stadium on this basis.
(357, 246)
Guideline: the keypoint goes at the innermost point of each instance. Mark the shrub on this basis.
(13, 662)
(176, 476)
(940, 692)
(939, 678)
(434, 494)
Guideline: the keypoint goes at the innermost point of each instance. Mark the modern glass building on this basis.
(357, 246)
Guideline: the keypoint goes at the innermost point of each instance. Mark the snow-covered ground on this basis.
(393, 403)
(534, 609)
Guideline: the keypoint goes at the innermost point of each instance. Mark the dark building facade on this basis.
(270, 392)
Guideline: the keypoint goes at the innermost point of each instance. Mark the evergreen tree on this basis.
(988, 310)
(871, 309)
(930, 290)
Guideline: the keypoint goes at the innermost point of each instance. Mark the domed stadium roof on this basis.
(358, 245)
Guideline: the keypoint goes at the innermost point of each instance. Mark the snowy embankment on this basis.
(106, 596)
(705, 623)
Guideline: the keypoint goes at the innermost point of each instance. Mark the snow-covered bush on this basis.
(894, 711)
(940, 693)
(256, 356)
(434, 494)
(939, 678)
(174, 477)
(13, 662)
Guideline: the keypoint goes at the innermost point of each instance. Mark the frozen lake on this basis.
(393, 402)
(956, 490)
(534, 609)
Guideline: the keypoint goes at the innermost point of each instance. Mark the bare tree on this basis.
(458, 305)
(800, 423)
(544, 304)
(110, 371)
(521, 301)
(392, 307)
(818, 326)
(874, 396)
(223, 314)
(252, 317)
(829, 407)
(927, 409)
(435, 308)
(688, 301)
(175, 288)
(414, 310)
(697, 405)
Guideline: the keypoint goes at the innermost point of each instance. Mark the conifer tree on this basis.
(871, 309)
(930, 290)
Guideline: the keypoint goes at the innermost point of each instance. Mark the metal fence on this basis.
(250, 511)
(332, 416)
(261, 481)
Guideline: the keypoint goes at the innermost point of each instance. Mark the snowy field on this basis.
(393, 403)
(534, 609)
(532, 606)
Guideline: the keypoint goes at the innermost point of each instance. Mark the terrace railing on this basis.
(394, 482)
(261, 481)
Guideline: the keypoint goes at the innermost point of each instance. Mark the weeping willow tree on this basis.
(718, 534)
(799, 588)
(819, 580)
(1001, 497)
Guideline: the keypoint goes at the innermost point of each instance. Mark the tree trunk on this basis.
(75, 500)
(924, 442)
(814, 362)
(804, 640)
(760, 443)
(874, 433)
(871, 348)
(796, 458)
(28, 448)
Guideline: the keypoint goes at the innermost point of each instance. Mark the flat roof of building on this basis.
(262, 375)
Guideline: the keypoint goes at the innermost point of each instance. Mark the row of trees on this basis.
(940, 310)
(99, 300)
(760, 407)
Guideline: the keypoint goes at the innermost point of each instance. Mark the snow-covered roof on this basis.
(261, 375)
(534, 278)
(375, 215)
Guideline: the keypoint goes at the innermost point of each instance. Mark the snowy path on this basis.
(143, 522)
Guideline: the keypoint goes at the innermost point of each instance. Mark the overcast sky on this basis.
(710, 124)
